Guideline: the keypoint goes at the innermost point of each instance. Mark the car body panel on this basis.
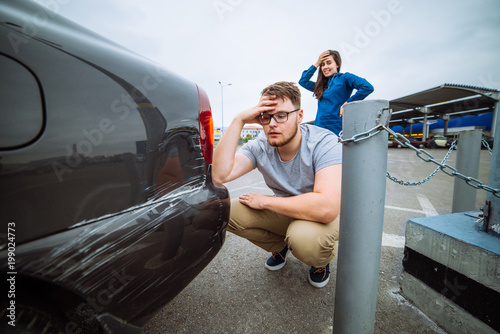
(109, 191)
(441, 141)
(394, 143)
(417, 142)
(116, 262)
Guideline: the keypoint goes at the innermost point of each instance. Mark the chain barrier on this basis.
(367, 134)
(405, 183)
(422, 154)
(485, 144)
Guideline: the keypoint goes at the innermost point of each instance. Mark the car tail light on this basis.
(206, 126)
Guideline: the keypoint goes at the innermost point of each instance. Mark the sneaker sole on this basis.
(318, 284)
(274, 268)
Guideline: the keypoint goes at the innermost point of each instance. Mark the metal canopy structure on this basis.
(445, 102)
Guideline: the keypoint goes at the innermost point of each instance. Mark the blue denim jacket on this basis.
(339, 90)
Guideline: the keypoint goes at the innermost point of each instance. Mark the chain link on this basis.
(485, 144)
(405, 183)
(444, 167)
(447, 169)
(367, 134)
(361, 136)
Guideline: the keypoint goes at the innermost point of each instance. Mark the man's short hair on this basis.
(284, 90)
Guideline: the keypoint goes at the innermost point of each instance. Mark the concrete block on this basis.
(452, 272)
(441, 309)
(457, 242)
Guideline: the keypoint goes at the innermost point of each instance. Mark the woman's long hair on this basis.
(322, 82)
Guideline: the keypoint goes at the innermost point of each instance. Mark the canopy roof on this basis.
(448, 99)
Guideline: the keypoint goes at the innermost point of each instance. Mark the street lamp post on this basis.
(222, 104)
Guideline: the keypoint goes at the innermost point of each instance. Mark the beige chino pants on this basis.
(311, 242)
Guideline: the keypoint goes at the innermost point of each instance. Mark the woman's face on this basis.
(329, 67)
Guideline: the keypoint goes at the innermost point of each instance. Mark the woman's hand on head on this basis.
(322, 58)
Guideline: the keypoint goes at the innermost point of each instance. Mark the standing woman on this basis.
(333, 89)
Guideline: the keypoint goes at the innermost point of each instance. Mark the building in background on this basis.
(249, 132)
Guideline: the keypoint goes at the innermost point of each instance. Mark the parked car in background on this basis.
(108, 206)
(447, 141)
(413, 141)
(417, 142)
(393, 143)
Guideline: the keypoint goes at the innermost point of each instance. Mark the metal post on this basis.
(494, 179)
(222, 109)
(222, 105)
(425, 134)
(364, 170)
(495, 125)
(468, 155)
(446, 119)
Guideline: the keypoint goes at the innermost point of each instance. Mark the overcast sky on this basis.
(400, 46)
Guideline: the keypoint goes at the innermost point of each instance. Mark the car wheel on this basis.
(31, 317)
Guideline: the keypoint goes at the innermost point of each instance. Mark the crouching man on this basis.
(301, 164)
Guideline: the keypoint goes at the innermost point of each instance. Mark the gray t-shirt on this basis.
(319, 148)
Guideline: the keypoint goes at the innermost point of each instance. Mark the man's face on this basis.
(280, 134)
(329, 67)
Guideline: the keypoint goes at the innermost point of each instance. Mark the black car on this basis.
(108, 209)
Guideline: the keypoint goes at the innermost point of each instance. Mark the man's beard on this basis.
(284, 141)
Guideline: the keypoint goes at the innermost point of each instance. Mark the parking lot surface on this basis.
(236, 294)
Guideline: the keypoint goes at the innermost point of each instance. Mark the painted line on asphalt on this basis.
(248, 188)
(393, 240)
(403, 209)
(254, 186)
(427, 206)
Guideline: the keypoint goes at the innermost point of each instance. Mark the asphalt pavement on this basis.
(236, 294)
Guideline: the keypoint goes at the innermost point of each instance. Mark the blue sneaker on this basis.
(319, 277)
(277, 260)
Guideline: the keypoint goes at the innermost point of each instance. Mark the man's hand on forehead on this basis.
(268, 100)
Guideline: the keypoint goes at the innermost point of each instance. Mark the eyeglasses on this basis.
(279, 117)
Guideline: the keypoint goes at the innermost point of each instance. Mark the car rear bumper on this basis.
(129, 265)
